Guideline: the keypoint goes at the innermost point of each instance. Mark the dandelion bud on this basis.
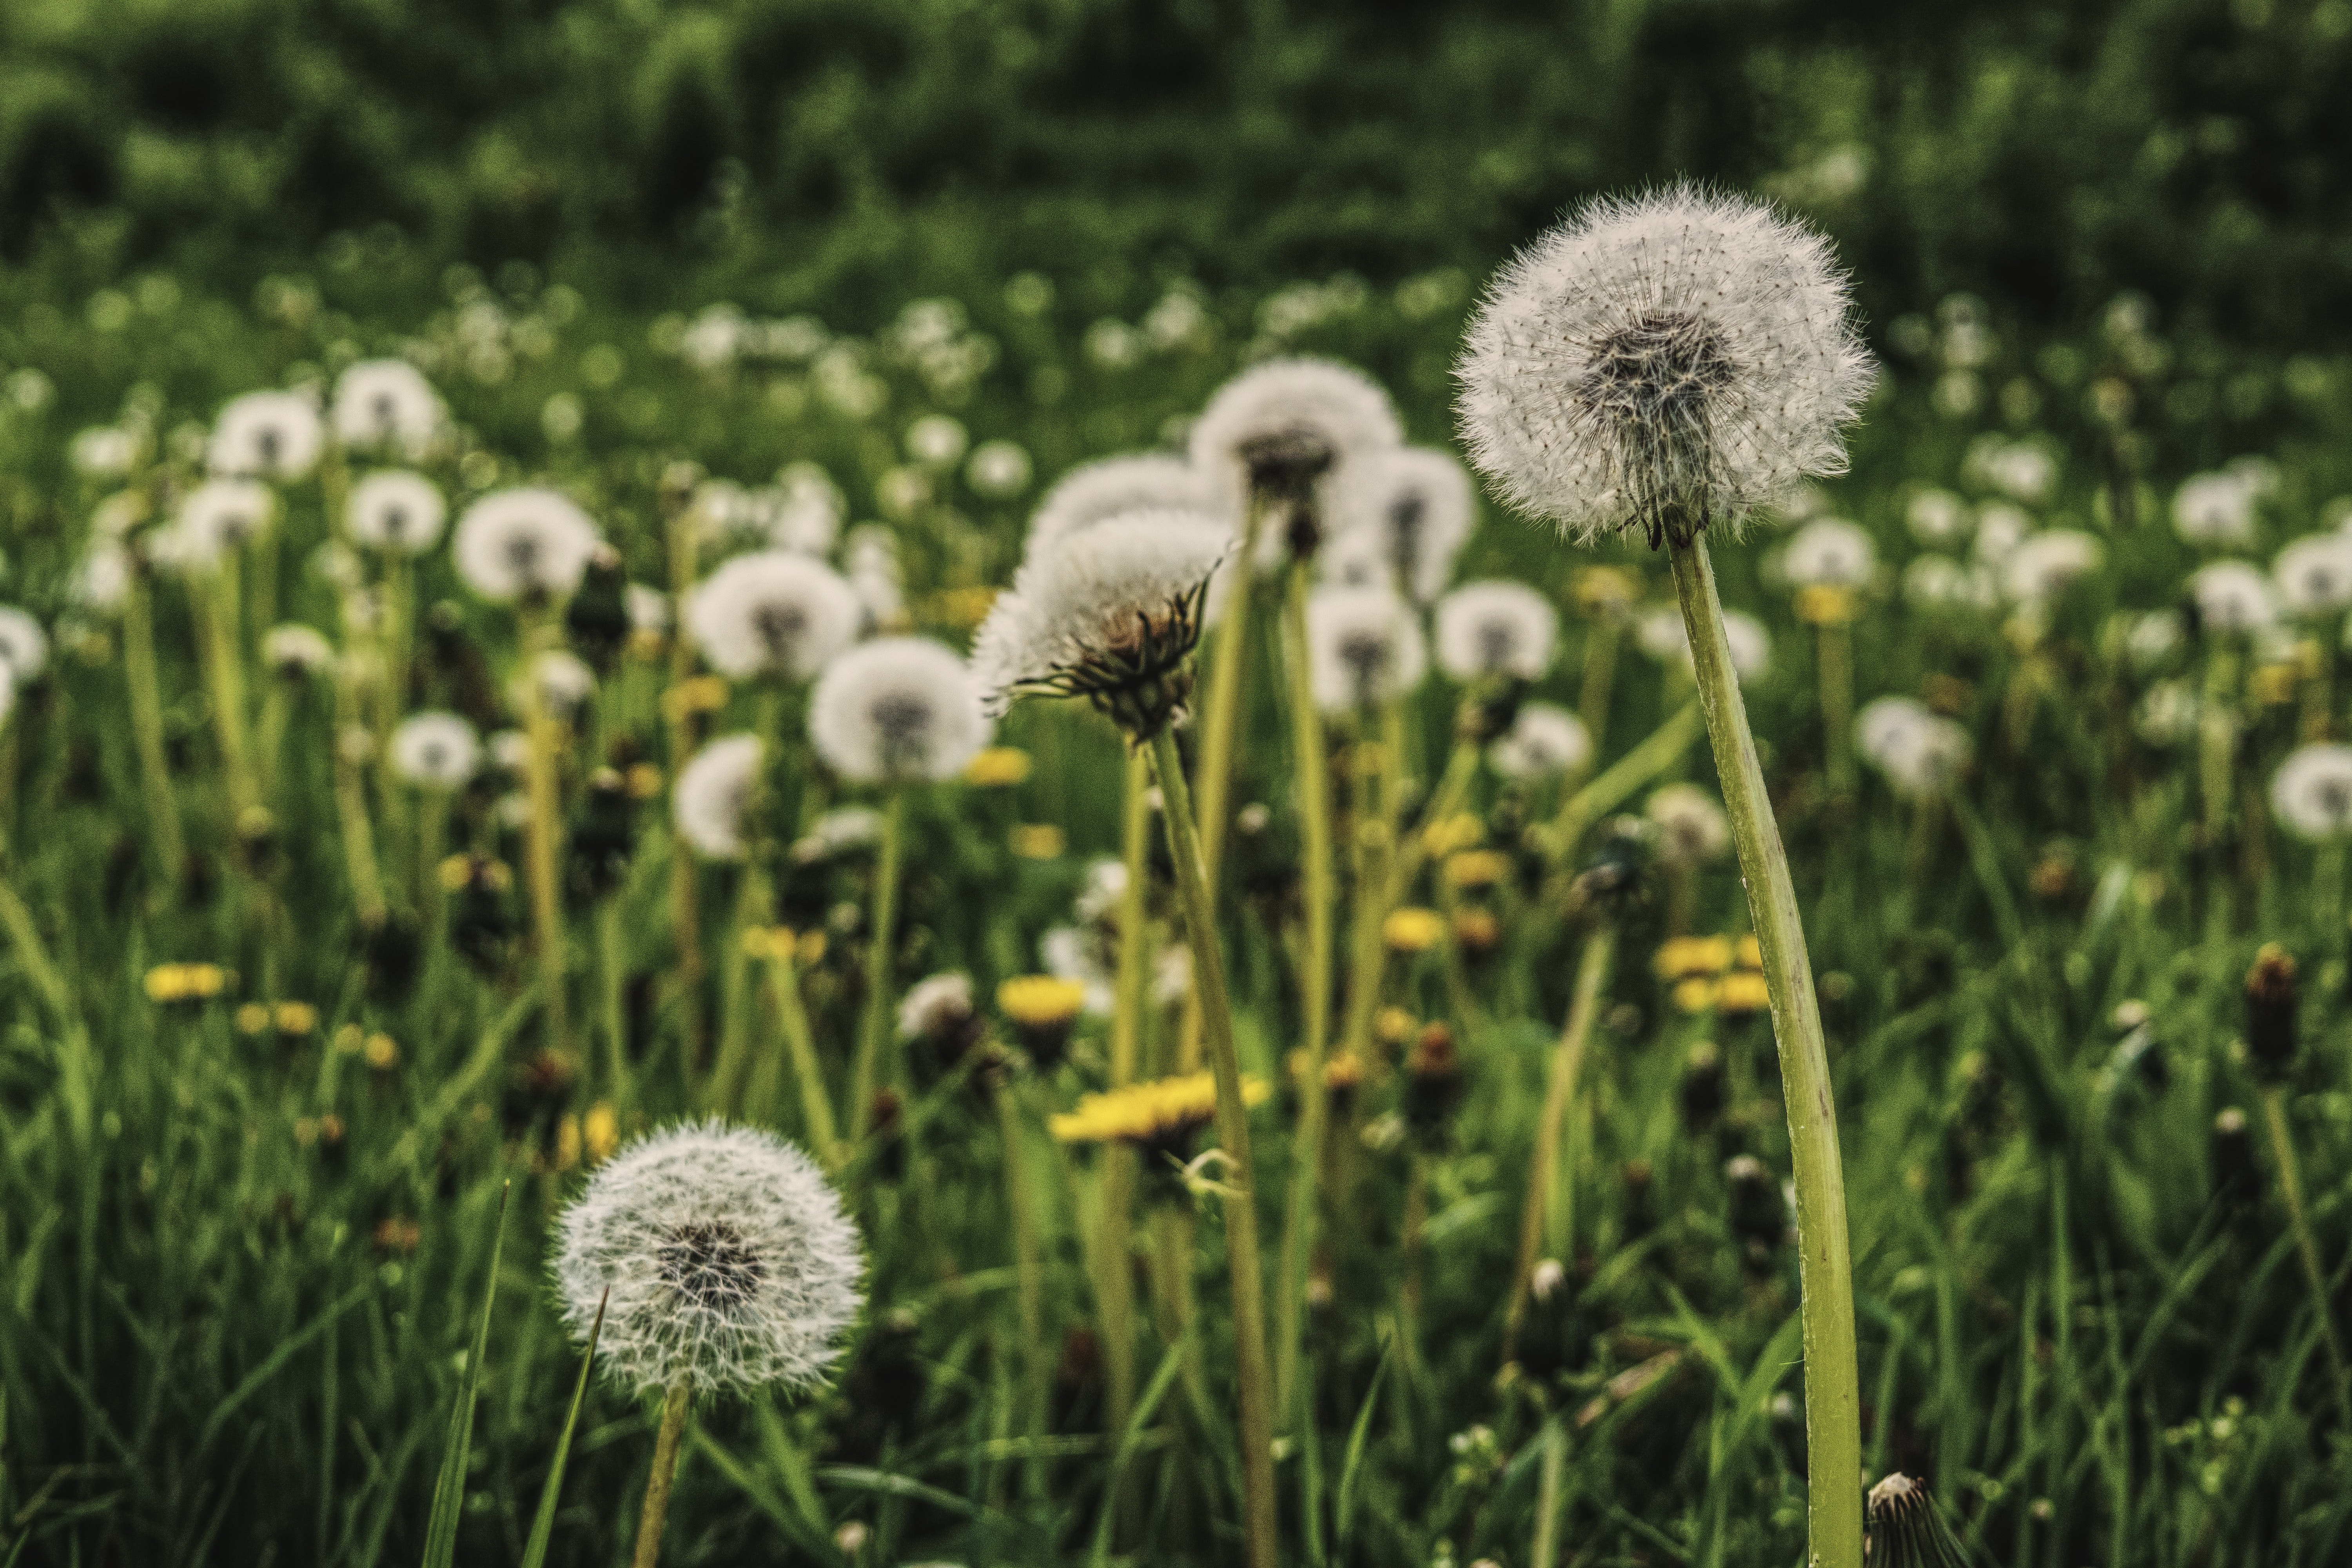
(1432, 1083)
(890, 1148)
(1755, 1211)
(598, 616)
(2237, 1180)
(604, 837)
(2272, 1004)
(937, 1020)
(1638, 1220)
(1906, 1529)
(1702, 1095)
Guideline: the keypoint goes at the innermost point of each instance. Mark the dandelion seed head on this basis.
(896, 710)
(265, 436)
(217, 516)
(295, 650)
(387, 405)
(1417, 502)
(1938, 582)
(1495, 628)
(1668, 362)
(720, 1256)
(1938, 518)
(773, 612)
(1692, 829)
(397, 512)
(565, 682)
(1543, 741)
(1921, 752)
(1364, 646)
(1285, 426)
(936, 1005)
(2314, 575)
(2233, 598)
(711, 800)
(436, 750)
(2311, 793)
(1097, 491)
(1832, 553)
(523, 543)
(23, 646)
(2216, 510)
(2043, 565)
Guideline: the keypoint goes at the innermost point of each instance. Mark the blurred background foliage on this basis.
(850, 153)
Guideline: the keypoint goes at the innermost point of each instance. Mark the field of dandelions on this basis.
(516, 839)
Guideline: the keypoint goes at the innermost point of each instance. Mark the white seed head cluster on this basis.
(1939, 583)
(523, 543)
(2314, 575)
(386, 406)
(565, 682)
(1667, 361)
(1495, 628)
(397, 512)
(720, 1256)
(1287, 426)
(1938, 518)
(436, 750)
(23, 646)
(1662, 635)
(1114, 606)
(2233, 598)
(1097, 491)
(1364, 646)
(1921, 752)
(2216, 510)
(2041, 566)
(2311, 793)
(1830, 552)
(896, 710)
(711, 800)
(266, 436)
(217, 516)
(1543, 741)
(773, 612)
(1692, 829)
(296, 651)
(935, 1004)
(1414, 506)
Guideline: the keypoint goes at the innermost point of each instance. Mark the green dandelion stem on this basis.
(1833, 1377)
(1560, 1094)
(874, 1031)
(543, 843)
(1116, 1284)
(1233, 1134)
(675, 1405)
(1623, 778)
(2306, 1246)
(147, 729)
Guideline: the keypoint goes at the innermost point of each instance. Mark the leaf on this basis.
(449, 1486)
(543, 1525)
(1343, 1509)
(1153, 1391)
(286, 1351)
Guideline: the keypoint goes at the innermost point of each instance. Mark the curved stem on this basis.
(1629, 772)
(664, 1476)
(817, 1108)
(876, 1024)
(1833, 1392)
(2291, 1188)
(147, 731)
(1233, 1134)
(1559, 1093)
(1116, 1286)
(542, 844)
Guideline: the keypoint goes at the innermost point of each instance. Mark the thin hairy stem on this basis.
(875, 1029)
(675, 1405)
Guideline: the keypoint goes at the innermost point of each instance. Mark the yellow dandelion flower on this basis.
(774, 943)
(1041, 1001)
(1826, 605)
(455, 872)
(1413, 929)
(567, 1143)
(1600, 588)
(2272, 684)
(252, 1019)
(1696, 994)
(1462, 830)
(1394, 1025)
(647, 644)
(643, 781)
(600, 1131)
(206, 980)
(1039, 841)
(1751, 953)
(295, 1018)
(1477, 868)
(1150, 1112)
(1345, 1071)
(382, 1053)
(964, 608)
(696, 694)
(998, 767)
(809, 948)
(349, 1039)
(1476, 931)
(1681, 957)
(1743, 992)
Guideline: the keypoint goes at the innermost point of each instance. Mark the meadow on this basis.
(362, 902)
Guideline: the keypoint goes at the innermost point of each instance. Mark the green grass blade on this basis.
(449, 1486)
(1145, 1408)
(272, 1363)
(1343, 1497)
(542, 1524)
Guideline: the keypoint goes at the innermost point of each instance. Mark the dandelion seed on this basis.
(396, 511)
(1364, 646)
(2311, 793)
(1668, 362)
(1413, 505)
(436, 751)
(265, 436)
(772, 613)
(295, 652)
(1495, 628)
(1543, 741)
(1692, 829)
(896, 710)
(721, 1259)
(387, 405)
(218, 516)
(524, 544)
(712, 801)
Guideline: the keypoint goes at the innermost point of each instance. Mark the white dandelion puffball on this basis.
(1356, 557)
(2216, 510)
(2232, 596)
(564, 680)
(937, 440)
(294, 651)
(24, 647)
(523, 543)
(1884, 723)
(397, 512)
(1417, 503)
(1938, 518)
(1283, 426)
(875, 577)
(1662, 635)
(1495, 628)
(720, 1257)
(436, 751)
(2154, 637)
(647, 608)
(102, 582)
(2045, 564)
(1111, 609)
(1830, 552)
(2168, 715)
(2311, 793)
(265, 436)
(1921, 752)
(1938, 582)
(387, 405)
(839, 831)
(2314, 575)
(1097, 491)
(1668, 362)
(1543, 740)
(998, 470)
(1692, 829)
(711, 800)
(807, 517)
(105, 452)
(935, 1005)
(1364, 646)
(217, 516)
(896, 710)
(773, 612)
(2021, 471)
(2001, 527)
